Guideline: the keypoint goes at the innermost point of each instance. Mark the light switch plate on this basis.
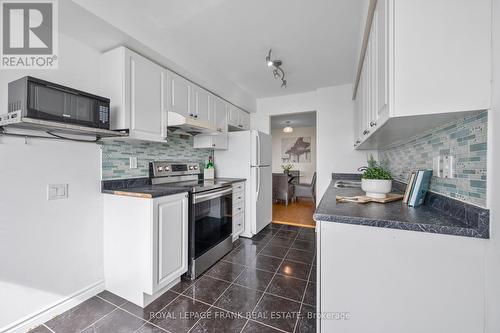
(133, 162)
(57, 191)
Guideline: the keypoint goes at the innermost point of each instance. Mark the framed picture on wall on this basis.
(296, 150)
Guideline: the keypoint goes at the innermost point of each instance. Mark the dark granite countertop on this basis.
(141, 187)
(457, 219)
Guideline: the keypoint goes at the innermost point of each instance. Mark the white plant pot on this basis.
(376, 188)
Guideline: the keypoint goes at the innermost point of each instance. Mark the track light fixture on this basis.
(278, 72)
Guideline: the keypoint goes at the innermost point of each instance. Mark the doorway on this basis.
(294, 168)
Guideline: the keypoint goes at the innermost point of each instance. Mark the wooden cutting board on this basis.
(362, 199)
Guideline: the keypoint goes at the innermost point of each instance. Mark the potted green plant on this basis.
(376, 180)
(286, 168)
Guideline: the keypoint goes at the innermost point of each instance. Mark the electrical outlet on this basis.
(437, 170)
(57, 191)
(448, 166)
(133, 162)
(443, 166)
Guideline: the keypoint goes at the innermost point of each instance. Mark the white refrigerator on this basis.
(249, 156)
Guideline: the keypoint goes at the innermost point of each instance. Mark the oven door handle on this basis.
(211, 195)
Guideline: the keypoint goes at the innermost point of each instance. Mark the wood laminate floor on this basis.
(299, 213)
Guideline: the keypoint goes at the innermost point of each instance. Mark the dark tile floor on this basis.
(266, 284)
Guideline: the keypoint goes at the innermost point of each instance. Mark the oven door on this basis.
(211, 219)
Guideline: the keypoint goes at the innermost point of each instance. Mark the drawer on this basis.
(238, 208)
(238, 187)
(238, 224)
(238, 197)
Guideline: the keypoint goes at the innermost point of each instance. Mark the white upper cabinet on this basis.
(381, 33)
(213, 141)
(219, 117)
(220, 114)
(238, 119)
(442, 54)
(233, 116)
(137, 89)
(179, 95)
(426, 62)
(202, 105)
(145, 97)
(244, 120)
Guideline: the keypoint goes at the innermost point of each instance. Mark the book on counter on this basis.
(409, 187)
(417, 187)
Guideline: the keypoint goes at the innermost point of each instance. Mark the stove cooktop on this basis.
(199, 185)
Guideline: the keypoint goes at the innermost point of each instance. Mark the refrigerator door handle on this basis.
(258, 149)
(257, 190)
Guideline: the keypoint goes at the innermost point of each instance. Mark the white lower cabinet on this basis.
(170, 240)
(238, 209)
(404, 268)
(238, 225)
(145, 245)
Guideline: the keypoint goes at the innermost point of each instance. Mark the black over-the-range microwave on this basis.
(44, 100)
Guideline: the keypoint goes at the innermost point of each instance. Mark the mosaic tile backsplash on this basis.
(465, 139)
(116, 154)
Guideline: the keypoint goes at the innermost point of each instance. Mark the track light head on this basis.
(278, 72)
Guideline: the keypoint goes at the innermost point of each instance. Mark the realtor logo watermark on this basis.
(29, 34)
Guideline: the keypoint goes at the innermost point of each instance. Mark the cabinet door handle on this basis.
(196, 116)
(240, 126)
(372, 123)
(213, 144)
(365, 132)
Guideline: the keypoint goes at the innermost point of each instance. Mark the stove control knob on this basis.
(160, 169)
(196, 167)
(167, 168)
(190, 167)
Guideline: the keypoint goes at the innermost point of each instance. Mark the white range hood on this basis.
(190, 125)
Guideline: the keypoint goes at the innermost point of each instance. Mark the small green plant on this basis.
(287, 167)
(375, 170)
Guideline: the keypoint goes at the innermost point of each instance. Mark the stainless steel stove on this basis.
(210, 213)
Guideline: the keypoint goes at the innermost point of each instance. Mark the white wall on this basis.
(306, 169)
(493, 245)
(335, 134)
(49, 249)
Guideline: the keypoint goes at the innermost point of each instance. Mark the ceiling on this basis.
(304, 119)
(317, 40)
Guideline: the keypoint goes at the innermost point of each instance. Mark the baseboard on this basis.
(35, 319)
